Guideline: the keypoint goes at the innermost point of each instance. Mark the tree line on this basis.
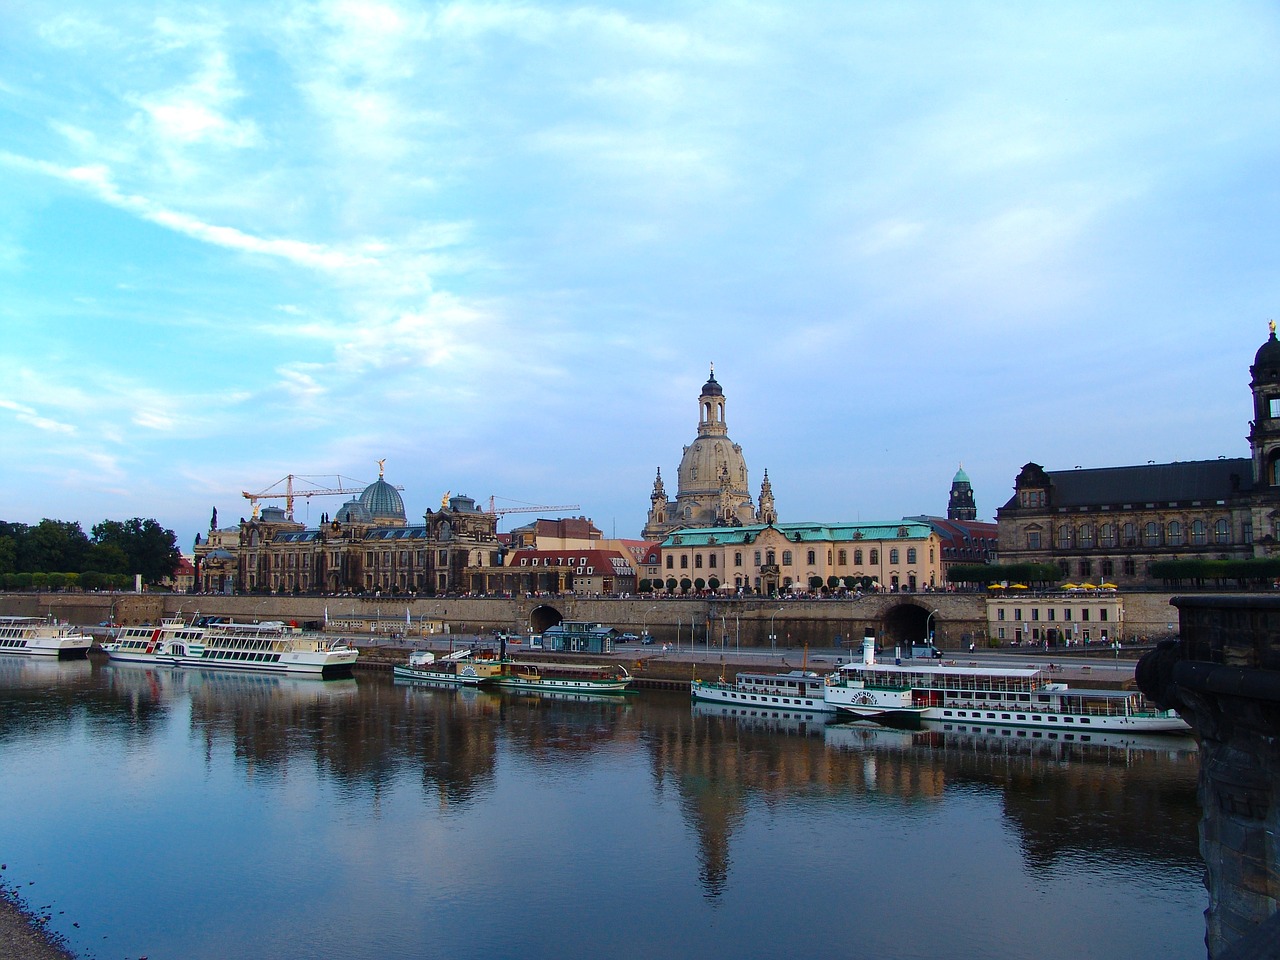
(58, 554)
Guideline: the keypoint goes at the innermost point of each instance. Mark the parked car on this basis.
(627, 638)
(646, 638)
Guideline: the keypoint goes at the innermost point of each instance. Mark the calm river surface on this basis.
(183, 814)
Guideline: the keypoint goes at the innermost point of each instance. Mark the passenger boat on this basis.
(794, 690)
(561, 677)
(37, 637)
(798, 722)
(1020, 697)
(459, 668)
(271, 647)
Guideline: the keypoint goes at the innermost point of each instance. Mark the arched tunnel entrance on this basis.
(542, 617)
(906, 624)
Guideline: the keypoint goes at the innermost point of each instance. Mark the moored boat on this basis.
(1009, 696)
(37, 637)
(794, 690)
(460, 668)
(583, 678)
(271, 647)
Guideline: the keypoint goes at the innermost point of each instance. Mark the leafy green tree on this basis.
(713, 583)
(149, 548)
(671, 584)
(8, 554)
(106, 558)
(53, 546)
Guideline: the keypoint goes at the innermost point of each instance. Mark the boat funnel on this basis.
(869, 648)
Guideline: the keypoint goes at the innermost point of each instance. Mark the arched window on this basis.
(770, 558)
(1222, 532)
(737, 558)
(844, 557)
(1107, 535)
(893, 555)
(812, 557)
(857, 557)
(1197, 533)
(1173, 534)
(1064, 535)
(911, 554)
(875, 556)
(1086, 535)
(1151, 535)
(1130, 535)
(786, 558)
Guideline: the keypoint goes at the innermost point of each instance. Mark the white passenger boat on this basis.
(36, 637)
(270, 647)
(794, 690)
(563, 677)
(459, 668)
(1020, 697)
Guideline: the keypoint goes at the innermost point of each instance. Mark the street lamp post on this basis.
(928, 633)
(773, 636)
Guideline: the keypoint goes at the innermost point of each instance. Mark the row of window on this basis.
(1110, 535)
(770, 558)
(1103, 613)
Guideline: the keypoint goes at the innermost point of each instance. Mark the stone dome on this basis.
(1266, 363)
(712, 387)
(353, 511)
(383, 502)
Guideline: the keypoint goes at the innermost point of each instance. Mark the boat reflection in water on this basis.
(42, 671)
(804, 723)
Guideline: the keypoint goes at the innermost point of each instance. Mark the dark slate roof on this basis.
(1150, 483)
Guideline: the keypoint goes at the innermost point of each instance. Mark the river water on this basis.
(184, 814)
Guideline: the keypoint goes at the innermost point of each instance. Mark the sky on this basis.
(499, 245)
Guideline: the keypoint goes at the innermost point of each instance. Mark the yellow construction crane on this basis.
(529, 507)
(342, 487)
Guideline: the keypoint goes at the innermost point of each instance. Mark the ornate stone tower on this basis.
(961, 506)
(712, 486)
(766, 513)
(1264, 444)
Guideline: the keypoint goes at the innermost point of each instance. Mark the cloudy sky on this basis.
(498, 245)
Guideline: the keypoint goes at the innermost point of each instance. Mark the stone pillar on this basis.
(1223, 676)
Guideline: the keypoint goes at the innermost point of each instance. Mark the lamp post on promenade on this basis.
(773, 636)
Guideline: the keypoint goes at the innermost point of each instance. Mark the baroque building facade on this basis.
(771, 558)
(368, 546)
(712, 487)
(1112, 523)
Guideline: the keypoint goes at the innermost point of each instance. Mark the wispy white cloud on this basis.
(28, 415)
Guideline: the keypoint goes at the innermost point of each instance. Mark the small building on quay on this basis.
(1076, 616)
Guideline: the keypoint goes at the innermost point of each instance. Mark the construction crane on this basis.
(342, 487)
(497, 511)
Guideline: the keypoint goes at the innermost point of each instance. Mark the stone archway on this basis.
(543, 616)
(905, 624)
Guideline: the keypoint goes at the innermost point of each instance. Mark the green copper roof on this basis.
(800, 533)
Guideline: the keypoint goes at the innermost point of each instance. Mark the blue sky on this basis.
(498, 244)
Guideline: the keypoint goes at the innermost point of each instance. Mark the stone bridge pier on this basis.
(1223, 677)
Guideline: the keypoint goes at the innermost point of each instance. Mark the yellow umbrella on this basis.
(995, 586)
(1068, 586)
(1018, 586)
(1108, 586)
(1088, 586)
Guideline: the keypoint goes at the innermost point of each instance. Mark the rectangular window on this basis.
(1084, 614)
(1017, 613)
(811, 557)
(1102, 614)
(697, 561)
(1035, 613)
(1066, 613)
(1051, 613)
(737, 558)
(844, 557)
(684, 561)
(671, 562)
(757, 558)
(1000, 613)
(711, 561)
(857, 558)
(1033, 539)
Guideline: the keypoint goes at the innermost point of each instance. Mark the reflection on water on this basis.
(584, 815)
